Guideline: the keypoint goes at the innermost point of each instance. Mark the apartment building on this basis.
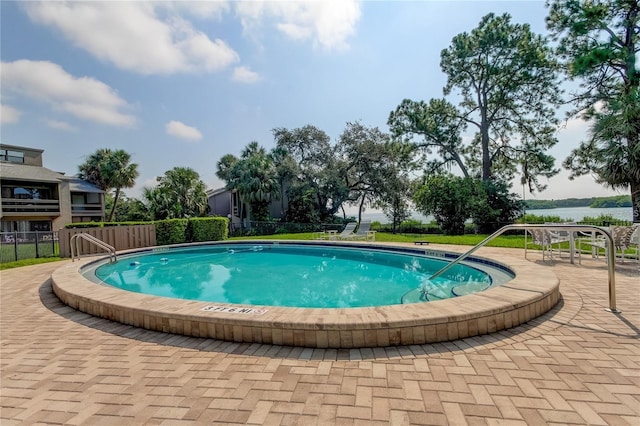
(228, 203)
(34, 198)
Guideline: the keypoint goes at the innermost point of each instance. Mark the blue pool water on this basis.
(290, 275)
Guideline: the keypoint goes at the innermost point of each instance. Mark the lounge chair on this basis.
(347, 231)
(363, 233)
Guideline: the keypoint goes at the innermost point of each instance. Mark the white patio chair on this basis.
(540, 237)
(559, 237)
(363, 233)
(347, 232)
(624, 237)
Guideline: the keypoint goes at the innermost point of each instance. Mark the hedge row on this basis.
(176, 231)
(102, 224)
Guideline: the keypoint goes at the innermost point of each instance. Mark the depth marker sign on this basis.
(232, 310)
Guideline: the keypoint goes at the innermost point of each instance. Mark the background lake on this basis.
(566, 213)
(578, 213)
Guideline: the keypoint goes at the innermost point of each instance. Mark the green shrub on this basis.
(84, 225)
(603, 220)
(127, 223)
(208, 229)
(171, 231)
(411, 226)
(103, 224)
(494, 206)
(532, 218)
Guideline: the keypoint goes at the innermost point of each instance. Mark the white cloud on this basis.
(9, 114)
(199, 8)
(328, 23)
(150, 183)
(182, 131)
(245, 75)
(295, 31)
(83, 97)
(60, 125)
(143, 37)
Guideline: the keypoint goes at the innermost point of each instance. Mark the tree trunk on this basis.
(484, 139)
(115, 203)
(635, 201)
(364, 197)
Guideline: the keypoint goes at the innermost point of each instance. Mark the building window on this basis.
(40, 225)
(25, 226)
(26, 193)
(93, 198)
(12, 156)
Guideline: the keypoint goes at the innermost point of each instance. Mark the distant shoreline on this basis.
(565, 213)
(580, 207)
(618, 201)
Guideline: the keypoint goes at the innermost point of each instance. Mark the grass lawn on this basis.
(511, 241)
(28, 251)
(27, 262)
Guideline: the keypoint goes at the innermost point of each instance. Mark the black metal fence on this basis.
(28, 245)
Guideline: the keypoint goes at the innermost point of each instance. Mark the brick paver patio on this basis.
(577, 364)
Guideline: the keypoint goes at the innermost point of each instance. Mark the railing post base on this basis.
(613, 310)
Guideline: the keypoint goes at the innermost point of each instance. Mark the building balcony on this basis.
(86, 210)
(30, 207)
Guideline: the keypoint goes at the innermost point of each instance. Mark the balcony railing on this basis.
(86, 209)
(30, 206)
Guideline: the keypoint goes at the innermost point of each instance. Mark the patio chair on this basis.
(635, 239)
(363, 233)
(559, 237)
(540, 237)
(624, 237)
(348, 230)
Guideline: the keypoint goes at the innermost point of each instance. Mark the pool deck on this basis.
(577, 364)
(532, 292)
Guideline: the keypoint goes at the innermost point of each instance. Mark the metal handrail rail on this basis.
(571, 228)
(96, 241)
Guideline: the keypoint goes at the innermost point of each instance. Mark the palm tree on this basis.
(255, 177)
(180, 194)
(91, 169)
(109, 170)
(158, 203)
(286, 169)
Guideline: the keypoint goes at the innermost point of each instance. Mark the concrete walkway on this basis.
(577, 364)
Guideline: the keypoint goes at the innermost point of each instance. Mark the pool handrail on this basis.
(96, 241)
(564, 227)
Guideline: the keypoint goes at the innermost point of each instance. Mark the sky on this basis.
(179, 83)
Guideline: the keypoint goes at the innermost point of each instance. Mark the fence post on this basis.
(37, 248)
(15, 244)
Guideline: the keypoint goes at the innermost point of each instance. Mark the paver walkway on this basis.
(577, 364)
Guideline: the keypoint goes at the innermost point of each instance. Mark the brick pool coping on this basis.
(533, 292)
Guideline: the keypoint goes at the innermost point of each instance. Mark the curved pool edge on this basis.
(533, 292)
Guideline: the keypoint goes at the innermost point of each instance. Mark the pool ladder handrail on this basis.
(566, 227)
(91, 239)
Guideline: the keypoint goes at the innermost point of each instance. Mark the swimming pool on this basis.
(295, 275)
(533, 291)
